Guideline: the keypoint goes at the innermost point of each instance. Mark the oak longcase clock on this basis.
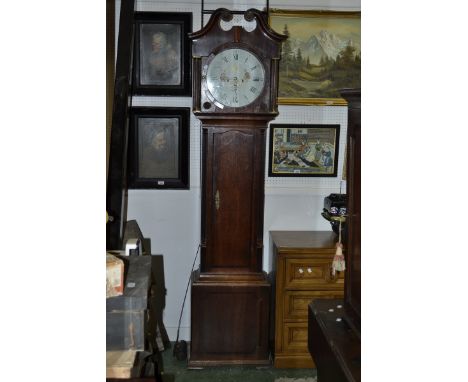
(235, 82)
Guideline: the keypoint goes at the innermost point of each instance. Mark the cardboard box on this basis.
(114, 276)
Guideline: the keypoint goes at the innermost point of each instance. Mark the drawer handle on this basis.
(309, 270)
(301, 271)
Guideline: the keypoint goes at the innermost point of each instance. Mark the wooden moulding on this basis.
(226, 278)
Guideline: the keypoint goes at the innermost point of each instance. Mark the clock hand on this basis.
(235, 80)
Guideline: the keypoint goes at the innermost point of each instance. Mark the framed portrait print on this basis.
(303, 150)
(321, 56)
(158, 148)
(162, 54)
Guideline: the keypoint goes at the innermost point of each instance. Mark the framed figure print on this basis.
(321, 56)
(303, 150)
(159, 148)
(162, 54)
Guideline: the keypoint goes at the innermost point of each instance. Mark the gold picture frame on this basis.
(299, 150)
(321, 56)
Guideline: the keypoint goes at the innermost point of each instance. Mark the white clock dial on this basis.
(235, 77)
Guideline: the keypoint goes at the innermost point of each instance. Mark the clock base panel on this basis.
(230, 323)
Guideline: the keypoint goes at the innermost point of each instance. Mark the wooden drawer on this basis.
(303, 274)
(296, 303)
(295, 337)
(306, 273)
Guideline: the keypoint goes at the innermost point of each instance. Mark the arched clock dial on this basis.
(235, 78)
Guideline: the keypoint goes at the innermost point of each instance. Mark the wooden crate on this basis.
(127, 315)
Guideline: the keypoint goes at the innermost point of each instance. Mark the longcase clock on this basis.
(235, 82)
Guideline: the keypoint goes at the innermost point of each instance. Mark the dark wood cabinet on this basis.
(353, 222)
(336, 348)
(335, 325)
(235, 76)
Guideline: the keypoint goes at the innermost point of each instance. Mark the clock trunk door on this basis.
(232, 196)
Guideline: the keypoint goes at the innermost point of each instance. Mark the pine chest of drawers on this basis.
(302, 267)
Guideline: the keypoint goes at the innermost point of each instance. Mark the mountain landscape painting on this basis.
(321, 55)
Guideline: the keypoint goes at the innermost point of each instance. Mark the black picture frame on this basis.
(158, 148)
(162, 56)
(303, 150)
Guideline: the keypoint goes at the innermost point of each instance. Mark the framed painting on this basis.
(162, 54)
(158, 148)
(321, 56)
(303, 150)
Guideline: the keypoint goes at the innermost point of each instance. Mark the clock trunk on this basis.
(232, 199)
(230, 292)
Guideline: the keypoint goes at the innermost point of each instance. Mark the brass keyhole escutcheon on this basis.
(217, 200)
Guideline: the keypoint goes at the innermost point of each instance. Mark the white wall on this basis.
(296, 203)
(172, 218)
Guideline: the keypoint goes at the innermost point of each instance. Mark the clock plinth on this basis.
(229, 322)
(234, 96)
